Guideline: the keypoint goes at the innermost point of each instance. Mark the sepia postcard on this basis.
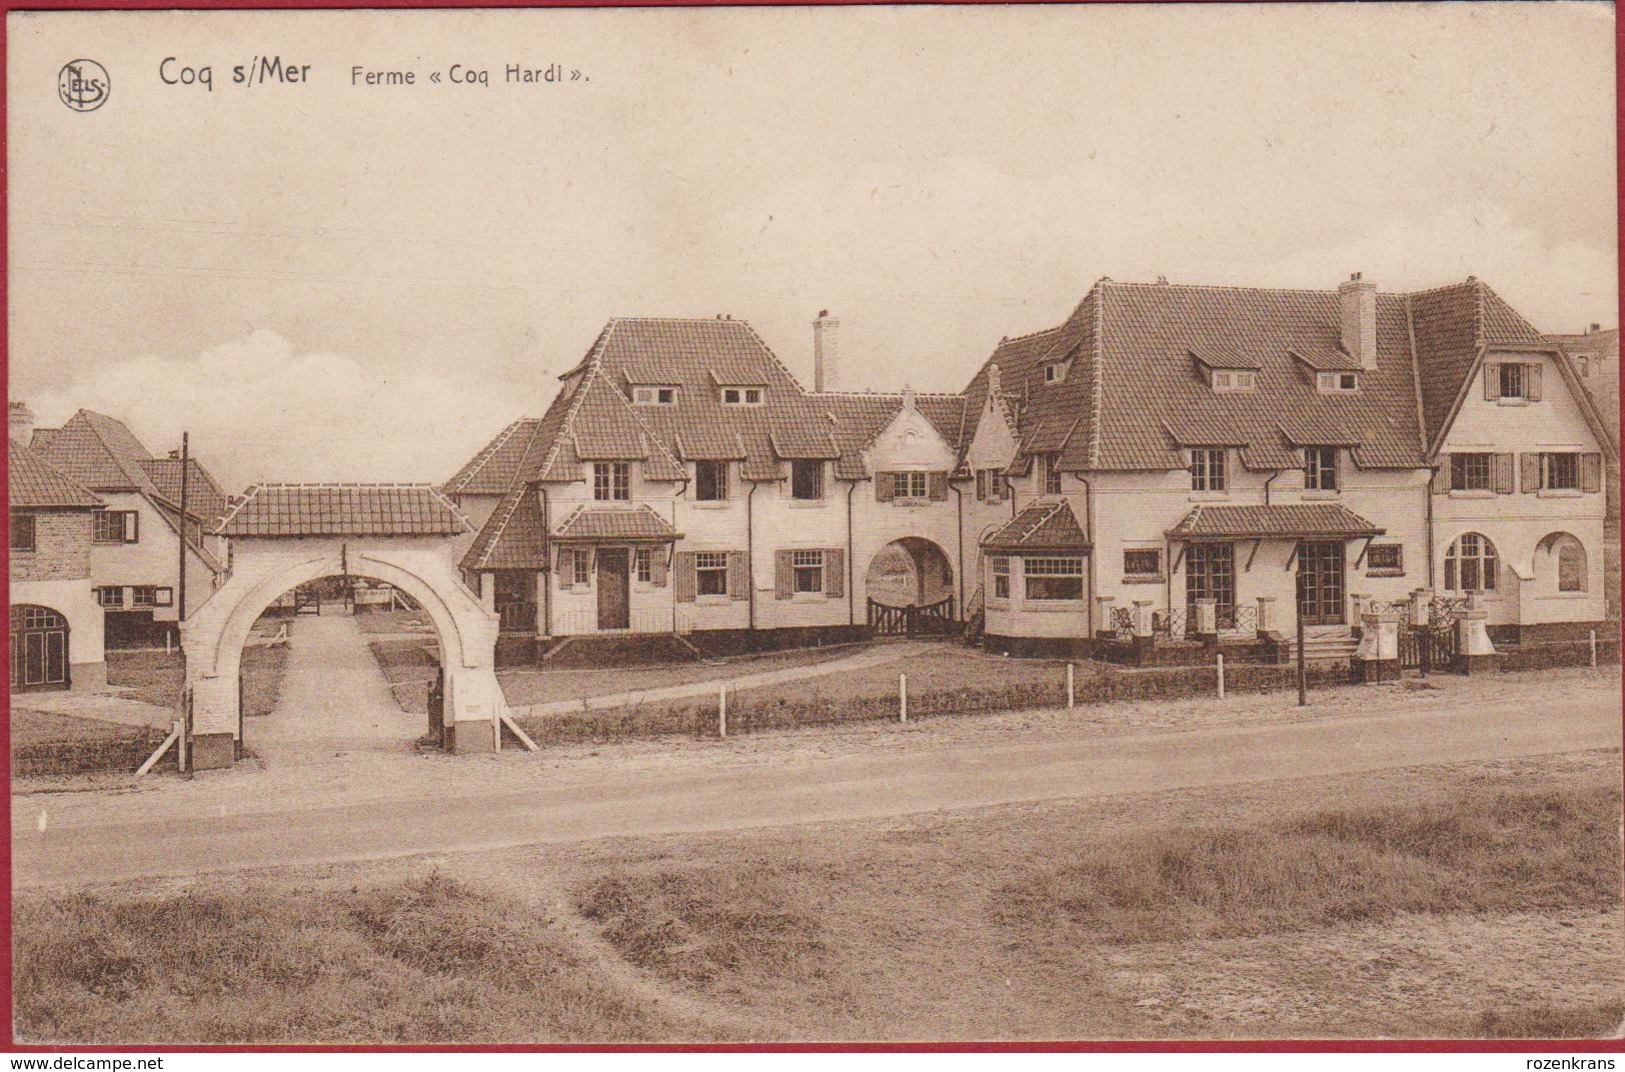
(848, 525)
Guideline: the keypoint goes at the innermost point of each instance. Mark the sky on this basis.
(336, 281)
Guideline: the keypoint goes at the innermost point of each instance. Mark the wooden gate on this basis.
(437, 709)
(1431, 646)
(936, 619)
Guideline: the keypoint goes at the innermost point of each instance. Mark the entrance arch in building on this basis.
(910, 588)
(283, 536)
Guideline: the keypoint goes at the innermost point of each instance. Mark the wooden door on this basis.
(39, 648)
(614, 588)
(1320, 582)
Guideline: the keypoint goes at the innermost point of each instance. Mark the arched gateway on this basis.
(283, 535)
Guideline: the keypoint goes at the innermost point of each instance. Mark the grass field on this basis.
(157, 676)
(1476, 900)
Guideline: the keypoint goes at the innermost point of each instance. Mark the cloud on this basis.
(257, 409)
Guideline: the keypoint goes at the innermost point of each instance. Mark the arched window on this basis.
(1470, 565)
(1571, 567)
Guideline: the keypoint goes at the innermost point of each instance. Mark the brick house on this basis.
(135, 554)
(1166, 449)
(56, 624)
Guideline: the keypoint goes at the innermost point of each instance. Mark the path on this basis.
(884, 653)
(334, 699)
(204, 827)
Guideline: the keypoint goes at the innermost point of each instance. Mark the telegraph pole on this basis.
(180, 587)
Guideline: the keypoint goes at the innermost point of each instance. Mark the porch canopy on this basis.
(1286, 521)
(1040, 526)
(587, 524)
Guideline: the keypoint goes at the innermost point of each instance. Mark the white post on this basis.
(1069, 690)
(1221, 674)
(1593, 649)
(722, 711)
(902, 697)
(168, 650)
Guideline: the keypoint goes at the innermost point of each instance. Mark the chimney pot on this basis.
(826, 353)
(21, 423)
(1594, 329)
(1357, 319)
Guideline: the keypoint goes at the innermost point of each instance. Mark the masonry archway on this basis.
(405, 538)
(911, 571)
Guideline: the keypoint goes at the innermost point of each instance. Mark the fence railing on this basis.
(639, 623)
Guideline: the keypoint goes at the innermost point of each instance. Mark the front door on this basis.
(614, 588)
(39, 648)
(1320, 582)
(1210, 573)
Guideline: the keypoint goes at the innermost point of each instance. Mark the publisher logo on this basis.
(83, 85)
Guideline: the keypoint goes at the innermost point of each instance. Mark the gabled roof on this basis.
(493, 470)
(204, 498)
(610, 523)
(1278, 521)
(344, 510)
(1044, 524)
(97, 451)
(512, 537)
(31, 481)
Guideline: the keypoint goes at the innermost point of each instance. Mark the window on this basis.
(1049, 477)
(1512, 381)
(1470, 472)
(1470, 564)
(1330, 383)
(118, 526)
(808, 570)
(910, 485)
(806, 479)
(1234, 379)
(1207, 469)
(1142, 562)
(110, 595)
(711, 481)
(611, 481)
(654, 396)
(1571, 566)
(643, 564)
(1001, 576)
(144, 595)
(1584, 362)
(711, 573)
(22, 532)
(1320, 468)
(1560, 472)
(1385, 560)
(1054, 578)
(991, 485)
(742, 396)
(581, 568)
(1055, 373)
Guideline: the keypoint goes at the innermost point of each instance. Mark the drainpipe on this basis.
(547, 571)
(1089, 534)
(750, 556)
(671, 586)
(851, 596)
(959, 530)
(1427, 505)
(1273, 474)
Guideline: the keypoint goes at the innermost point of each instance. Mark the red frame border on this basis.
(10, 1044)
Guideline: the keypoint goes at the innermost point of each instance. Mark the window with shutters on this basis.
(711, 481)
(991, 485)
(711, 573)
(581, 568)
(1207, 469)
(1053, 578)
(1514, 381)
(1385, 560)
(1001, 576)
(910, 485)
(643, 564)
(22, 532)
(1470, 472)
(117, 526)
(611, 481)
(806, 479)
(1560, 471)
(1049, 477)
(1320, 468)
(807, 571)
(1470, 565)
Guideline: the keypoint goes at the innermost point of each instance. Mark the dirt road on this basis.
(209, 826)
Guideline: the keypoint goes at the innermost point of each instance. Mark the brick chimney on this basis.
(995, 389)
(826, 353)
(22, 423)
(1357, 319)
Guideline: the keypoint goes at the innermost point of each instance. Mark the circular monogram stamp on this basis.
(83, 85)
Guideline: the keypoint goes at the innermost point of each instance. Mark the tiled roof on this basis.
(195, 530)
(1451, 325)
(594, 419)
(608, 523)
(344, 510)
(512, 537)
(33, 481)
(1219, 357)
(1039, 525)
(1282, 521)
(205, 499)
(1327, 358)
(97, 451)
(493, 470)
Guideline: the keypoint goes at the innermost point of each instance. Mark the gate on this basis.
(1431, 646)
(936, 619)
(437, 709)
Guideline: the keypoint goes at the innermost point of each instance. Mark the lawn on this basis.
(43, 727)
(523, 687)
(156, 677)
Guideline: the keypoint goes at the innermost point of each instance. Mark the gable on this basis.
(1558, 421)
(910, 440)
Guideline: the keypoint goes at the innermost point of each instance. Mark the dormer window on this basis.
(1056, 372)
(1337, 383)
(1234, 379)
(742, 396)
(654, 395)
